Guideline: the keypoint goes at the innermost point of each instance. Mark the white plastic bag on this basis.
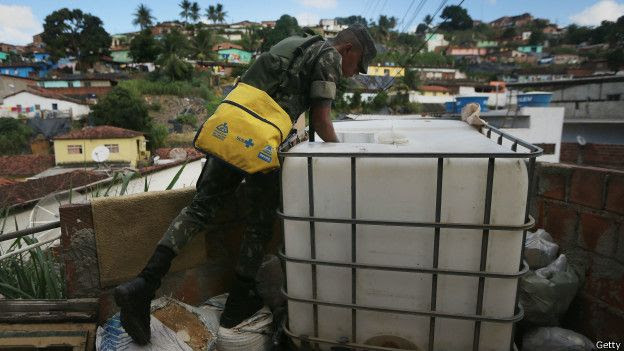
(112, 337)
(539, 249)
(546, 296)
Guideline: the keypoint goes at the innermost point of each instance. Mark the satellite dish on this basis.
(581, 140)
(177, 154)
(46, 211)
(100, 154)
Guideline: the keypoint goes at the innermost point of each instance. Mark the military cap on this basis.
(366, 41)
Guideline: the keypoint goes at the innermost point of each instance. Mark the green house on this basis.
(235, 55)
(3, 56)
(487, 44)
(531, 49)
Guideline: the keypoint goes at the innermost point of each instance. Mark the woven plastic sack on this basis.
(547, 296)
(555, 339)
(539, 249)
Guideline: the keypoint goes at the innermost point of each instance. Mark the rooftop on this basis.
(435, 88)
(100, 132)
(24, 165)
(22, 192)
(45, 93)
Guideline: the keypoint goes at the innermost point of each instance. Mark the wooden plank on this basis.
(35, 311)
(79, 336)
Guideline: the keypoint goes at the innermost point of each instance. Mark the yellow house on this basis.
(392, 71)
(124, 145)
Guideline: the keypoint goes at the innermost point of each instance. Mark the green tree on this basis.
(216, 13)
(14, 136)
(411, 79)
(285, 26)
(74, 33)
(352, 20)
(143, 17)
(185, 5)
(615, 59)
(428, 20)
(577, 34)
(455, 18)
(173, 68)
(121, 108)
(174, 43)
(509, 33)
(144, 47)
(158, 136)
(251, 39)
(537, 38)
(194, 12)
(202, 45)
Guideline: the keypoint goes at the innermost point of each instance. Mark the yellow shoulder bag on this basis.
(245, 130)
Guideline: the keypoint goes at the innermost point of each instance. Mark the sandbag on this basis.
(555, 339)
(175, 326)
(253, 334)
(539, 249)
(546, 297)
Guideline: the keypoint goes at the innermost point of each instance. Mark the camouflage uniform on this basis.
(311, 77)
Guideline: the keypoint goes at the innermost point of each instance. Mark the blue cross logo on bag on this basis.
(220, 131)
(248, 142)
(266, 154)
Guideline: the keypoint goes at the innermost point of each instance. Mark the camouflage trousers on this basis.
(218, 182)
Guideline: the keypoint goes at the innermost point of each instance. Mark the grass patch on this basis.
(197, 87)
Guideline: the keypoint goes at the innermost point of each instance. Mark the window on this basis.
(74, 149)
(613, 97)
(113, 148)
(55, 107)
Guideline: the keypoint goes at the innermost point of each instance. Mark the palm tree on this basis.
(202, 45)
(143, 17)
(428, 19)
(216, 13)
(185, 5)
(250, 40)
(194, 12)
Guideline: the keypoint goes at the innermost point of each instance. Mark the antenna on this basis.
(100, 154)
(580, 140)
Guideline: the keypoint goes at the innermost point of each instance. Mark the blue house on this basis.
(23, 70)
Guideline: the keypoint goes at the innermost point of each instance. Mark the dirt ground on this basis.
(172, 106)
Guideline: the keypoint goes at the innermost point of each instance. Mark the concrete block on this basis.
(561, 223)
(615, 194)
(598, 234)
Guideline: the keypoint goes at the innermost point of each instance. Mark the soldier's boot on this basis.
(134, 297)
(242, 302)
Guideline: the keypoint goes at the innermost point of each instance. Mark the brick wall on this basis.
(583, 208)
(602, 155)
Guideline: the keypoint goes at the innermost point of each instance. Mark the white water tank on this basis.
(403, 189)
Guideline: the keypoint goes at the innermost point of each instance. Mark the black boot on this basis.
(242, 302)
(134, 297)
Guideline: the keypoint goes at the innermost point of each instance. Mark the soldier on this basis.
(309, 82)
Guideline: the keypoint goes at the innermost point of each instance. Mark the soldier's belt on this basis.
(245, 130)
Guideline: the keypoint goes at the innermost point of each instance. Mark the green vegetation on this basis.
(14, 136)
(122, 108)
(158, 135)
(32, 274)
(75, 33)
(198, 86)
(144, 47)
(143, 17)
(188, 119)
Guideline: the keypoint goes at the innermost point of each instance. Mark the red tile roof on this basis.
(100, 132)
(25, 165)
(34, 189)
(435, 88)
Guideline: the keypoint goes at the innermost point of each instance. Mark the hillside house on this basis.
(392, 71)
(531, 49)
(435, 40)
(12, 84)
(235, 55)
(23, 70)
(35, 101)
(125, 146)
(435, 73)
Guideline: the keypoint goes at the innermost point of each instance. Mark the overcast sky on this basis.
(19, 20)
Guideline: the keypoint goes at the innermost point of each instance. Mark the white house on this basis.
(434, 40)
(32, 102)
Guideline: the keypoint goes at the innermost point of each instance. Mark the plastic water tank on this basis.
(403, 189)
(534, 99)
(461, 101)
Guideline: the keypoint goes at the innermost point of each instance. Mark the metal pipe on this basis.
(28, 231)
(29, 247)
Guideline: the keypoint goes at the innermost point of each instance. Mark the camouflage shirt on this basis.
(294, 89)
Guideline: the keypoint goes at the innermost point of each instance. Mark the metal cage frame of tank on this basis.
(531, 155)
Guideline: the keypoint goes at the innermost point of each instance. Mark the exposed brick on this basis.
(605, 280)
(594, 318)
(552, 186)
(586, 188)
(598, 234)
(539, 220)
(561, 223)
(615, 194)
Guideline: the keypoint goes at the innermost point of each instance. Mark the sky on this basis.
(19, 20)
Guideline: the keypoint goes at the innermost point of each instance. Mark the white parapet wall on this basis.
(545, 127)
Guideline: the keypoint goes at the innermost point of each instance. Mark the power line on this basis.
(415, 15)
(443, 2)
(406, 12)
